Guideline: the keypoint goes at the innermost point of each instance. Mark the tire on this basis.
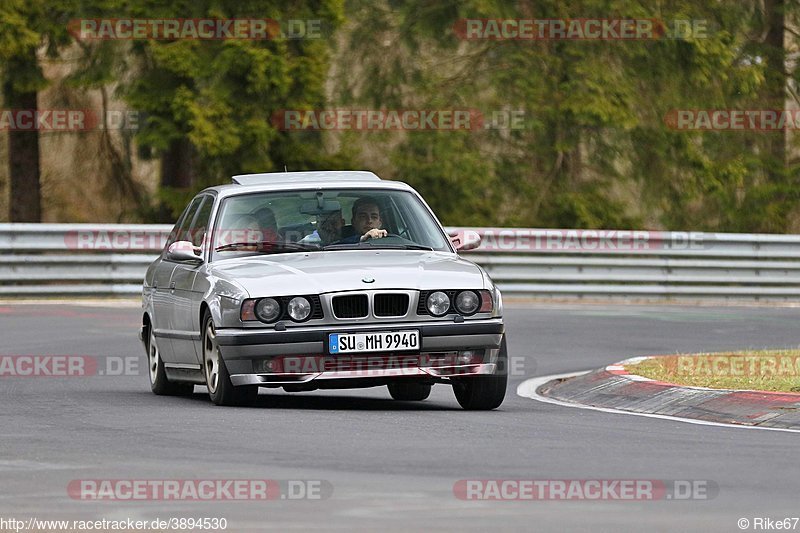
(159, 383)
(484, 393)
(410, 392)
(220, 389)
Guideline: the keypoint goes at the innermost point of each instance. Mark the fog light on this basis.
(272, 365)
(469, 357)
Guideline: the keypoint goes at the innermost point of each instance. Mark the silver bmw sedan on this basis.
(320, 280)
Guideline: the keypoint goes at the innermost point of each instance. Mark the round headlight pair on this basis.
(467, 303)
(269, 310)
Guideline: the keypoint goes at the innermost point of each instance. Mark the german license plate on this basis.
(374, 341)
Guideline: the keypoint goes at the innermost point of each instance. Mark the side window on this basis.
(182, 234)
(199, 226)
(173, 235)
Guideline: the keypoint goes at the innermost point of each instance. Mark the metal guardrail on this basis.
(110, 259)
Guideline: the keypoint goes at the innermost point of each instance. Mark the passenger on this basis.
(329, 229)
(267, 222)
(246, 228)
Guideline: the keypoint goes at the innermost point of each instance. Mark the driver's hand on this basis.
(374, 234)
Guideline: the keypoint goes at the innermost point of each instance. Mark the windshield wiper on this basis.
(367, 244)
(266, 247)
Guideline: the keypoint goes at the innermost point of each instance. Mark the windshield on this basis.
(332, 219)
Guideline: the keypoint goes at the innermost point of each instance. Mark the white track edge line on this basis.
(527, 389)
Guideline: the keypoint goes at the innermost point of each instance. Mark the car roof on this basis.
(296, 177)
(282, 181)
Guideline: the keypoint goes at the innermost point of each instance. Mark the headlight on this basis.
(299, 308)
(268, 310)
(438, 303)
(467, 302)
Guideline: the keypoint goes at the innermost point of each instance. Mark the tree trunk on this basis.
(23, 149)
(776, 79)
(177, 176)
(177, 165)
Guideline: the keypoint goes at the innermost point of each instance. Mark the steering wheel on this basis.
(388, 235)
(390, 239)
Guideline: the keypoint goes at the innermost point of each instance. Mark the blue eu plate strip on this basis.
(334, 342)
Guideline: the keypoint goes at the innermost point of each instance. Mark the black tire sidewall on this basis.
(485, 392)
(162, 385)
(226, 393)
(410, 392)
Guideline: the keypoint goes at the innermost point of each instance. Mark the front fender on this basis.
(223, 298)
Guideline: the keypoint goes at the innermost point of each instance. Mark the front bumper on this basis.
(442, 349)
(285, 379)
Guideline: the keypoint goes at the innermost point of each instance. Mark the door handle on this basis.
(172, 286)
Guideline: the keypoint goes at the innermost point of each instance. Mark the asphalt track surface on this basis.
(392, 465)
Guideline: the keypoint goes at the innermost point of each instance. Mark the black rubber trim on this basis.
(177, 335)
(287, 337)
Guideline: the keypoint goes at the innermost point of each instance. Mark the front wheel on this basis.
(159, 383)
(410, 392)
(220, 389)
(484, 393)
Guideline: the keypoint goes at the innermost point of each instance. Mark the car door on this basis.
(185, 293)
(164, 297)
(161, 312)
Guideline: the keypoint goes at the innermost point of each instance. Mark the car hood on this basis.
(343, 270)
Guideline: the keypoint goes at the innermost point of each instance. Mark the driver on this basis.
(366, 221)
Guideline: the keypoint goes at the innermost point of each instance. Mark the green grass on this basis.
(768, 370)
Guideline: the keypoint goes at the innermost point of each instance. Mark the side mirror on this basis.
(183, 251)
(465, 240)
